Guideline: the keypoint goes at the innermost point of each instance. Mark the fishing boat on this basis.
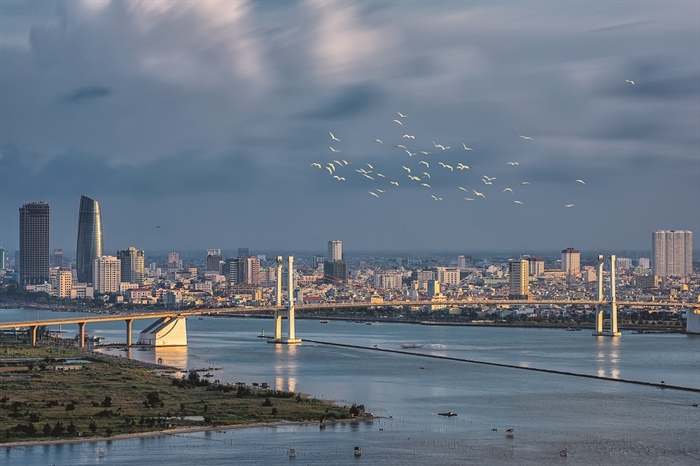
(292, 452)
(325, 321)
(448, 414)
(358, 451)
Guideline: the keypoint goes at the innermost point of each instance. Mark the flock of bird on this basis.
(340, 169)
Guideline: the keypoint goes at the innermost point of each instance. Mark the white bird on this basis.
(402, 115)
(441, 164)
(413, 178)
(463, 189)
(513, 163)
(394, 183)
(345, 162)
(408, 136)
(486, 182)
(410, 154)
(517, 202)
(406, 168)
(468, 198)
(508, 189)
(337, 162)
(329, 170)
(424, 163)
(450, 167)
(316, 165)
(580, 181)
(378, 140)
(435, 197)
(370, 166)
(461, 166)
(333, 137)
(380, 175)
(397, 122)
(373, 193)
(333, 150)
(444, 147)
(466, 148)
(367, 176)
(361, 170)
(401, 146)
(524, 183)
(425, 184)
(426, 174)
(527, 138)
(569, 205)
(332, 166)
(382, 191)
(339, 178)
(489, 178)
(425, 153)
(629, 81)
(477, 193)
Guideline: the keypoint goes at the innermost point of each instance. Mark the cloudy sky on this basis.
(195, 123)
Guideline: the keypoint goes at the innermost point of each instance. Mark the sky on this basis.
(194, 124)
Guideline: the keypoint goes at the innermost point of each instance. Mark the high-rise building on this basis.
(89, 239)
(233, 269)
(448, 275)
(535, 266)
(335, 272)
(3, 258)
(644, 262)
(57, 258)
(571, 262)
(335, 250)
(461, 262)
(519, 279)
(243, 253)
(672, 253)
(64, 282)
(34, 255)
(106, 272)
(213, 260)
(132, 265)
(252, 270)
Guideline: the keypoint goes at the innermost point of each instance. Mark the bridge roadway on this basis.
(128, 318)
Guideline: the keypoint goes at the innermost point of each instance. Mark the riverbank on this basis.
(57, 394)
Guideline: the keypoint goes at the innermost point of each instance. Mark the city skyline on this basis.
(593, 106)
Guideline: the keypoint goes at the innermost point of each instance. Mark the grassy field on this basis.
(107, 397)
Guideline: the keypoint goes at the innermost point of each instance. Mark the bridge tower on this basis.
(612, 331)
(291, 338)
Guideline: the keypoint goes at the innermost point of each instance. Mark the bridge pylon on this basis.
(600, 329)
(291, 338)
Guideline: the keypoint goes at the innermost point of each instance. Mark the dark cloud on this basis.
(350, 101)
(88, 93)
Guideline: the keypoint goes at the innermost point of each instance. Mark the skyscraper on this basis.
(335, 250)
(34, 255)
(89, 238)
(57, 258)
(132, 264)
(243, 252)
(213, 260)
(3, 258)
(519, 279)
(571, 262)
(672, 253)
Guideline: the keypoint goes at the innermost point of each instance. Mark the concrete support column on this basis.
(81, 334)
(599, 310)
(613, 299)
(128, 331)
(290, 292)
(32, 334)
(278, 294)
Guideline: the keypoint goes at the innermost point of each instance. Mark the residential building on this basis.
(106, 275)
(57, 258)
(535, 266)
(571, 262)
(335, 272)
(448, 275)
(213, 260)
(335, 250)
(519, 279)
(89, 245)
(644, 262)
(34, 253)
(672, 253)
(132, 265)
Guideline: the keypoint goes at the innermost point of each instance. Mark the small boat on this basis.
(201, 318)
(411, 345)
(448, 414)
(208, 374)
(510, 433)
(292, 452)
(325, 321)
(358, 451)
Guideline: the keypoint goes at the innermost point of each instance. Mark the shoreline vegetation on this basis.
(54, 395)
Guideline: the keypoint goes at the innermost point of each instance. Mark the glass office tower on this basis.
(89, 238)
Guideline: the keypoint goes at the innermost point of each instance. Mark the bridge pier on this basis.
(128, 331)
(291, 338)
(32, 334)
(600, 310)
(81, 334)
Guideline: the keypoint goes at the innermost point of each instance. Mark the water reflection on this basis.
(608, 356)
(286, 363)
(171, 356)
